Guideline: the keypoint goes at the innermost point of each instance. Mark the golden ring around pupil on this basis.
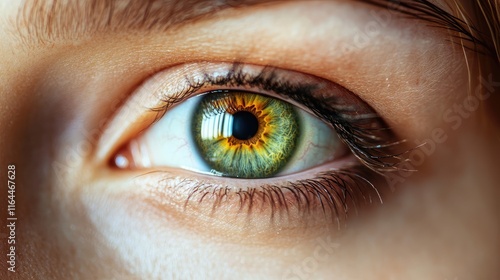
(262, 155)
(257, 138)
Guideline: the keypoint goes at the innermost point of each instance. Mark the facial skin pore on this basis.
(69, 101)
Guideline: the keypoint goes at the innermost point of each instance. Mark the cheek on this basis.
(130, 232)
(445, 209)
(153, 244)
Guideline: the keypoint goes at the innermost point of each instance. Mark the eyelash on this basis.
(333, 191)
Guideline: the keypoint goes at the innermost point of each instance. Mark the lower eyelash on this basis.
(331, 194)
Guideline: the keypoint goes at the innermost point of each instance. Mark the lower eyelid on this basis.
(263, 206)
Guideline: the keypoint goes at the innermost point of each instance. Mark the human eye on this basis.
(122, 121)
(259, 141)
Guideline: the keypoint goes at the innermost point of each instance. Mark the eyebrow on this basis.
(49, 21)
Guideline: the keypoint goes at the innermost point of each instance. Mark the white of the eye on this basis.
(170, 143)
(318, 144)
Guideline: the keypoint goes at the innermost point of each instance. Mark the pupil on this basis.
(245, 125)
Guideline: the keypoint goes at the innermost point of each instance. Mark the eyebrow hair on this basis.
(48, 21)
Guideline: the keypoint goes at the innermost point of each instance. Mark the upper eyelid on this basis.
(362, 142)
(145, 102)
(237, 77)
(333, 75)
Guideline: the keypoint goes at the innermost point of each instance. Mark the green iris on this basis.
(245, 135)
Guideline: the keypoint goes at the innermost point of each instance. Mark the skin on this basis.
(78, 219)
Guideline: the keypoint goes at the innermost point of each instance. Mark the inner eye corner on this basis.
(118, 160)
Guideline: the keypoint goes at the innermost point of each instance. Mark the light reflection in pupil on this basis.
(245, 125)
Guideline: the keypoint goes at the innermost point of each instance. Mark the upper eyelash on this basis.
(373, 146)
